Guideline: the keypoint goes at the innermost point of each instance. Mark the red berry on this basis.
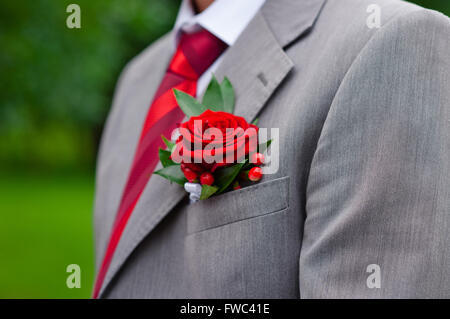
(236, 186)
(206, 179)
(257, 159)
(255, 174)
(189, 174)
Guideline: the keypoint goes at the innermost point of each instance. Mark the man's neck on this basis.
(201, 5)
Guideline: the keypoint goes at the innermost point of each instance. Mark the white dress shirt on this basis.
(226, 19)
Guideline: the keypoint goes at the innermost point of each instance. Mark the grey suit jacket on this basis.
(364, 178)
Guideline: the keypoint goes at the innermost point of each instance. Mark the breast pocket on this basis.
(249, 202)
(239, 244)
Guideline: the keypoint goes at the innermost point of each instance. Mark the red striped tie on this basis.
(195, 53)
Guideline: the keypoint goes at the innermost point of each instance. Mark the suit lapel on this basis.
(122, 132)
(256, 65)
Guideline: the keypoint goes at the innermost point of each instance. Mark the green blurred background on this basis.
(56, 86)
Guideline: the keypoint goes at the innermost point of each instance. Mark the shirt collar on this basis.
(226, 19)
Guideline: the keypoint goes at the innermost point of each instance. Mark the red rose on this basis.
(214, 139)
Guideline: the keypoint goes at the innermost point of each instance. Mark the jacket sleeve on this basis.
(378, 194)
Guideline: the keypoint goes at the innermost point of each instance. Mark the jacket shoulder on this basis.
(345, 28)
(362, 19)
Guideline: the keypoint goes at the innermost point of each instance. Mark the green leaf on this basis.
(164, 157)
(227, 95)
(208, 191)
(189, 105)
(173, 173)
(225, 176)
(212, 99)
(168, 143)
(255, 121)
(264, 146)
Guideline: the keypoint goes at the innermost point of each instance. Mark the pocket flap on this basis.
(252, 201)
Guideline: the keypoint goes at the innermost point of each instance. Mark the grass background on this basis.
(56, 86)
(46, 224)
(55, 90)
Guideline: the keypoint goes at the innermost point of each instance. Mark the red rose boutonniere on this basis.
(214, 150)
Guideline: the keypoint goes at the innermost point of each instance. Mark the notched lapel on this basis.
(256, 64)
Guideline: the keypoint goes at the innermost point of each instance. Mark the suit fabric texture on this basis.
(364, 177)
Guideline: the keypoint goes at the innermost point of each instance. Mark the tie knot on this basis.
(195, 53)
